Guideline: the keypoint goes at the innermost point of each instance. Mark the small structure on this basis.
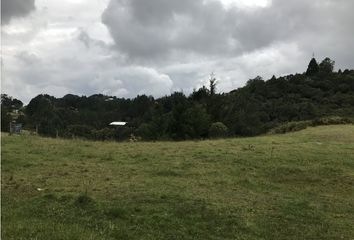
(18, 128)
(117, 123)
(15, 128)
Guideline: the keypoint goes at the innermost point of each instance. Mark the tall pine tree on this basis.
(313, 68)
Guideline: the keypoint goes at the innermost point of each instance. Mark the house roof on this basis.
(118, 123)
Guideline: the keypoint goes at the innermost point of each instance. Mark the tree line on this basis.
(248, 111)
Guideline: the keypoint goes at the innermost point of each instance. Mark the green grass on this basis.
(293, 186)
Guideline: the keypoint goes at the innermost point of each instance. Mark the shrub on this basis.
(297, 126)
(146, 131)
(79, 131)
(331, 121)
(290, 127)
(218, 130)
(103, 134)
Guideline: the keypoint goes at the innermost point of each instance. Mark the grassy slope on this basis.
(294, 186)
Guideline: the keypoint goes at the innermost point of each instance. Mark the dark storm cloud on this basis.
(155, 29)
(15, 8)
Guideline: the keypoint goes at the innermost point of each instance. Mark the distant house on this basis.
(117, 123)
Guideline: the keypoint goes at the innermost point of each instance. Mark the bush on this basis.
(290, 127)
(79, 131)
(218, 130)
(297, 126)
(146, 131)
(331, 121)
(104, 134)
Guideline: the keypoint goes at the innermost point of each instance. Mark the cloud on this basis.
(159, 30)
(85, 67)
(15, 8)
(129, 81)
(89, 42)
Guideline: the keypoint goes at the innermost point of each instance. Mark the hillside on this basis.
(250, 110)
(292, 186)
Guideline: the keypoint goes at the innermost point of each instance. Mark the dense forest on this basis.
(251, 110)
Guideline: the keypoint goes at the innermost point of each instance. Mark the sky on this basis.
(126, 48)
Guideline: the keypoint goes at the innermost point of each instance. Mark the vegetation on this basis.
(291, 186)
(297, 126)
(218, 130)
(9, 111)
(248, 111)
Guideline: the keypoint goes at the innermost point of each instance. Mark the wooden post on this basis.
(57, 133)
(10, 128)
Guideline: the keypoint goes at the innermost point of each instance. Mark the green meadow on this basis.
(293, 186)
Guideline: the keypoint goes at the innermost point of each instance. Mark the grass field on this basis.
(293, 186)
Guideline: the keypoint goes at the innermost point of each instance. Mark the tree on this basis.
(5, 120)
(195, 122)
(313, 68)
(42, 113)
(146, 131)
(256, 85)
(212, 84)
(326, 66)
(201, 94)
(8, 105)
